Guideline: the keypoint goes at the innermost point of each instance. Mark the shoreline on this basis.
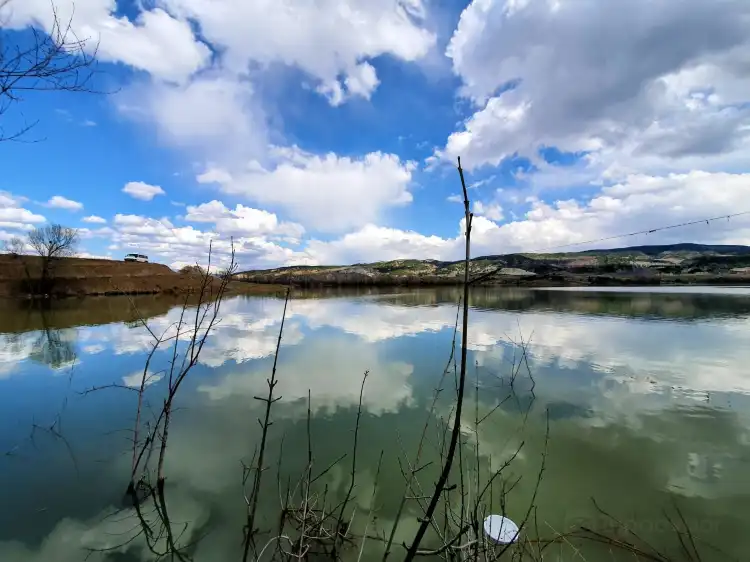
(233, 290)
(568, 281)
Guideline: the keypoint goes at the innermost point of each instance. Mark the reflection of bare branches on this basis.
(619, 536)
(410, 481)
(320, 530)
(186, 339)
(352, 474)
(52, 349)
(252, 502)
(55, 430)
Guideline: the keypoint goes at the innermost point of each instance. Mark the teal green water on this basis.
(646, 392)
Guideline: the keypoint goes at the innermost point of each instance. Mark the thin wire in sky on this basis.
(615, 237)
(639, 232)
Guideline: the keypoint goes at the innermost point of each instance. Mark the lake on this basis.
(593, 417)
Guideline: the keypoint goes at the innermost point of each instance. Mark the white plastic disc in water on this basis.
(501, 529)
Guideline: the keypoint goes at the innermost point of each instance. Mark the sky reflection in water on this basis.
(647, 393)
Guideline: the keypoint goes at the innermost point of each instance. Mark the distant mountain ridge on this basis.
(624, 264)
(683, 247)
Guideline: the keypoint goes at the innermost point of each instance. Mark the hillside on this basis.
(677, 263)
(19, 276)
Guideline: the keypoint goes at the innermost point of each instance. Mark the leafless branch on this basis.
(55, 59)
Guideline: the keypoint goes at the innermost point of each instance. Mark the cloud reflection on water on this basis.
(607, 380)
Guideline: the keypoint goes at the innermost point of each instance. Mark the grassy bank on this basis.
(21, 277)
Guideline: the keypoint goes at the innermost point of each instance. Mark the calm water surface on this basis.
(647, 393)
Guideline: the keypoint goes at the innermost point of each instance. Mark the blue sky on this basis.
(327, 132)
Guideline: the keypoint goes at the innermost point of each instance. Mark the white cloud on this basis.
(155, 42)
(331, 38)
(91, 256)
(186, 245)
(375, 243)
(328, 193)
(216, 115)
(492, 211)
(639, 203)
(14, 216)
(243, 221)
(60, 202)
(142, 191)
(362, 81)
(663, 103)
(8, 199)
(94, 219)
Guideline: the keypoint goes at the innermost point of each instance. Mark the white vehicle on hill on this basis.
(136, 257)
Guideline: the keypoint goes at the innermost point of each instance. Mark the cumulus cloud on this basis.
(178, 246)
(216, 115)
(60, 202)
(362, 81)
(219, 118)
(665, 102)
(14, 216)
(332, 39)
(94, 219)
(640, 202)
(11, 217)
(492, 211)
(663, 109)
(8, 199)
(155, 41)
(142, 191)
(329, 193)
(242, 221)
(374, 243)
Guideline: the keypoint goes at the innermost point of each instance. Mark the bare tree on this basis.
(52, 60)
(15, 246)
(52, 242)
